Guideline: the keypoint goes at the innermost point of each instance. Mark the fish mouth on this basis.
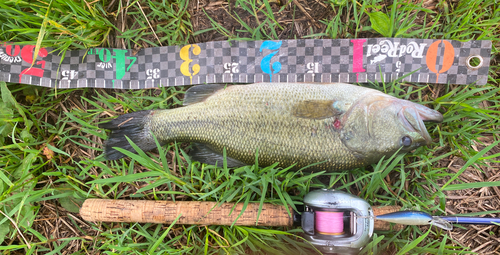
(413, 119)
(427, 114)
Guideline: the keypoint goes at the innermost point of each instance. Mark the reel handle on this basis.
(199, 213)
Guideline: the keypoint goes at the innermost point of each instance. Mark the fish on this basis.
(335, 126)
(415, 218)
(378, 59)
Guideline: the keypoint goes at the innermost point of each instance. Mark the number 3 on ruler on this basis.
(184, 54)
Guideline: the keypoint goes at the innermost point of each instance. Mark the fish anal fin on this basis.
(315, 109)
(205, 154)
(199, 93)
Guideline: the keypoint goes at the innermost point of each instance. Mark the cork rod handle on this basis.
(192, 212)
(199, 213)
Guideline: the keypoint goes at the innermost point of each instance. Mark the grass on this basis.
(50, 144)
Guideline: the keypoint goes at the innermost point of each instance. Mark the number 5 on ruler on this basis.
(27, 55)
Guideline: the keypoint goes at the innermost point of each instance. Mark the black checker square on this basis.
(227, 51)
(300, 60)
(300, 77)
(452, 78)
(344, 69)
(147, 59)
(334, 60)
(325, 68)
(353, 77)
(309, 51)
(282, 77)
(471, 79)
(73, 53)
(344, 50)
(99, 74)
(326, 51)
(464, 52)
(482, 72)
(335, 77)
(292, 51)
(485, 52)
(462, 70)
(407, 68)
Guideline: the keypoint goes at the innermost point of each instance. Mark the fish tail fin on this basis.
(131, 125)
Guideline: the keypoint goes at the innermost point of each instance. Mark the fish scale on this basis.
(267, 117)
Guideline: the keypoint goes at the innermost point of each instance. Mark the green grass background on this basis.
(50, 145)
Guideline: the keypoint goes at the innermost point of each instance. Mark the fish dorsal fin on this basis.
(316, 109)
(204, 154)
(199, 93)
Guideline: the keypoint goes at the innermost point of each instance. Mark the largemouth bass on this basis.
(341, 125)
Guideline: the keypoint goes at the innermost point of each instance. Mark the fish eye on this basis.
(406, 141)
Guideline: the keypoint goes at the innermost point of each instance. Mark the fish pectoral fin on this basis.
(199, 93)
(203, 153)
(315, 109)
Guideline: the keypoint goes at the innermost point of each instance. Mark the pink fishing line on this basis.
(330, 223)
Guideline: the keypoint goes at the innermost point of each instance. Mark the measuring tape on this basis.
(303, 60)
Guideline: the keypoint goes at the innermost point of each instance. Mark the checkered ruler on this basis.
(304, 60)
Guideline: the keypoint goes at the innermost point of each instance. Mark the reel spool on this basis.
(337, 222)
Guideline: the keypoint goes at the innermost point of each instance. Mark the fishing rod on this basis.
(333, 221)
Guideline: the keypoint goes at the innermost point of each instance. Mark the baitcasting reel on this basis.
(337, 222)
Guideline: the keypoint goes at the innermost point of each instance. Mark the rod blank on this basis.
(471, 220)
